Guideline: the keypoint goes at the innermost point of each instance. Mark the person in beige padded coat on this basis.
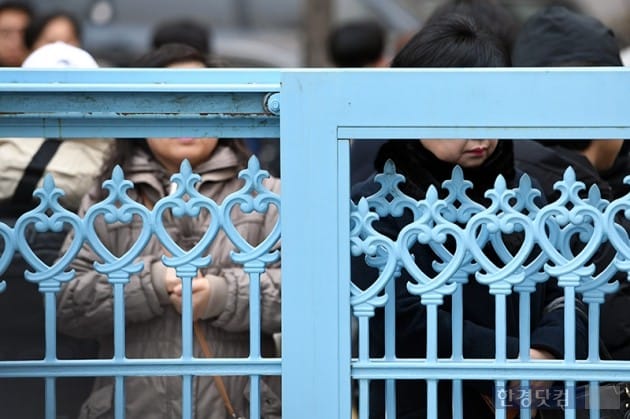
(153, 296)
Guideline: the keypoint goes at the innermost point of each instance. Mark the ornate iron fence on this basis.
(315, 114)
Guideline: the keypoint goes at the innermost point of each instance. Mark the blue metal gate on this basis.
(315, 114)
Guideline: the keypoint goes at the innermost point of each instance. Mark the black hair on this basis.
(169, 54)
(122, 150)
(38, 24)
(556, 36)
(19, 6)
(182, 31)
(488, 14)
(356, 43)
(452, 40)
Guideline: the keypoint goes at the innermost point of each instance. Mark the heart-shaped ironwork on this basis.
(49, 215)
(500, 219)
(118, 207)
(8, 251)
(365, 240)
(254, 196)
(186, 202)
(558, 221)
(616, 213)
(431, 231)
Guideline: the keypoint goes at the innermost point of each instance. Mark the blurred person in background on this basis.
(199, 36)
(56, 26)
(15, 16)
(359, 43)
(183, 31)
(74, 164)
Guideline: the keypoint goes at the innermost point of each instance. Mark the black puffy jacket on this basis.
(421, 170)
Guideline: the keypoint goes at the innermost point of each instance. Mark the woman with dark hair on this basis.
(153, 297)
(453, 40)
(171, 55)
(56, 26)
(489, 20)
(359, 43)
(491, 15)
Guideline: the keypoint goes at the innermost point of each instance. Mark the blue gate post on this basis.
(315, 251)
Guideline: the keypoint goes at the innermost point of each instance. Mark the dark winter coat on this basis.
(422, 169)
(548, 165)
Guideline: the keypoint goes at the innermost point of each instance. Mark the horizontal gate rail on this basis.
(133, 103)
(138, 367)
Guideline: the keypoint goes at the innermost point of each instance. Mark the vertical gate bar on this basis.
(187, 402)
(569, 324)
(501, 329)
(119, 397)
(254, 339)
(187, 276)
(432, 355)
(187, 316)
(364, 355)
(119, 321)
(390, 345)
(390, 393)
(364, 399)
(254, 314)
(594, 357)
(51, 351)
(524, 325)
(570, 413)
(119, 346)
(569, 346)
(500, 350)
(344, 333)
(457, 330)
(524, 343)
(50, 398)
(254, 396)
(593, 332)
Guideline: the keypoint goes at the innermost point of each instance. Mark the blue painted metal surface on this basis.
(132, 102)
(321, 110)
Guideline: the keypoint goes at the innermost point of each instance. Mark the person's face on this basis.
(170, 152)
(12, 48)
(58, 29)
(466, 153)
